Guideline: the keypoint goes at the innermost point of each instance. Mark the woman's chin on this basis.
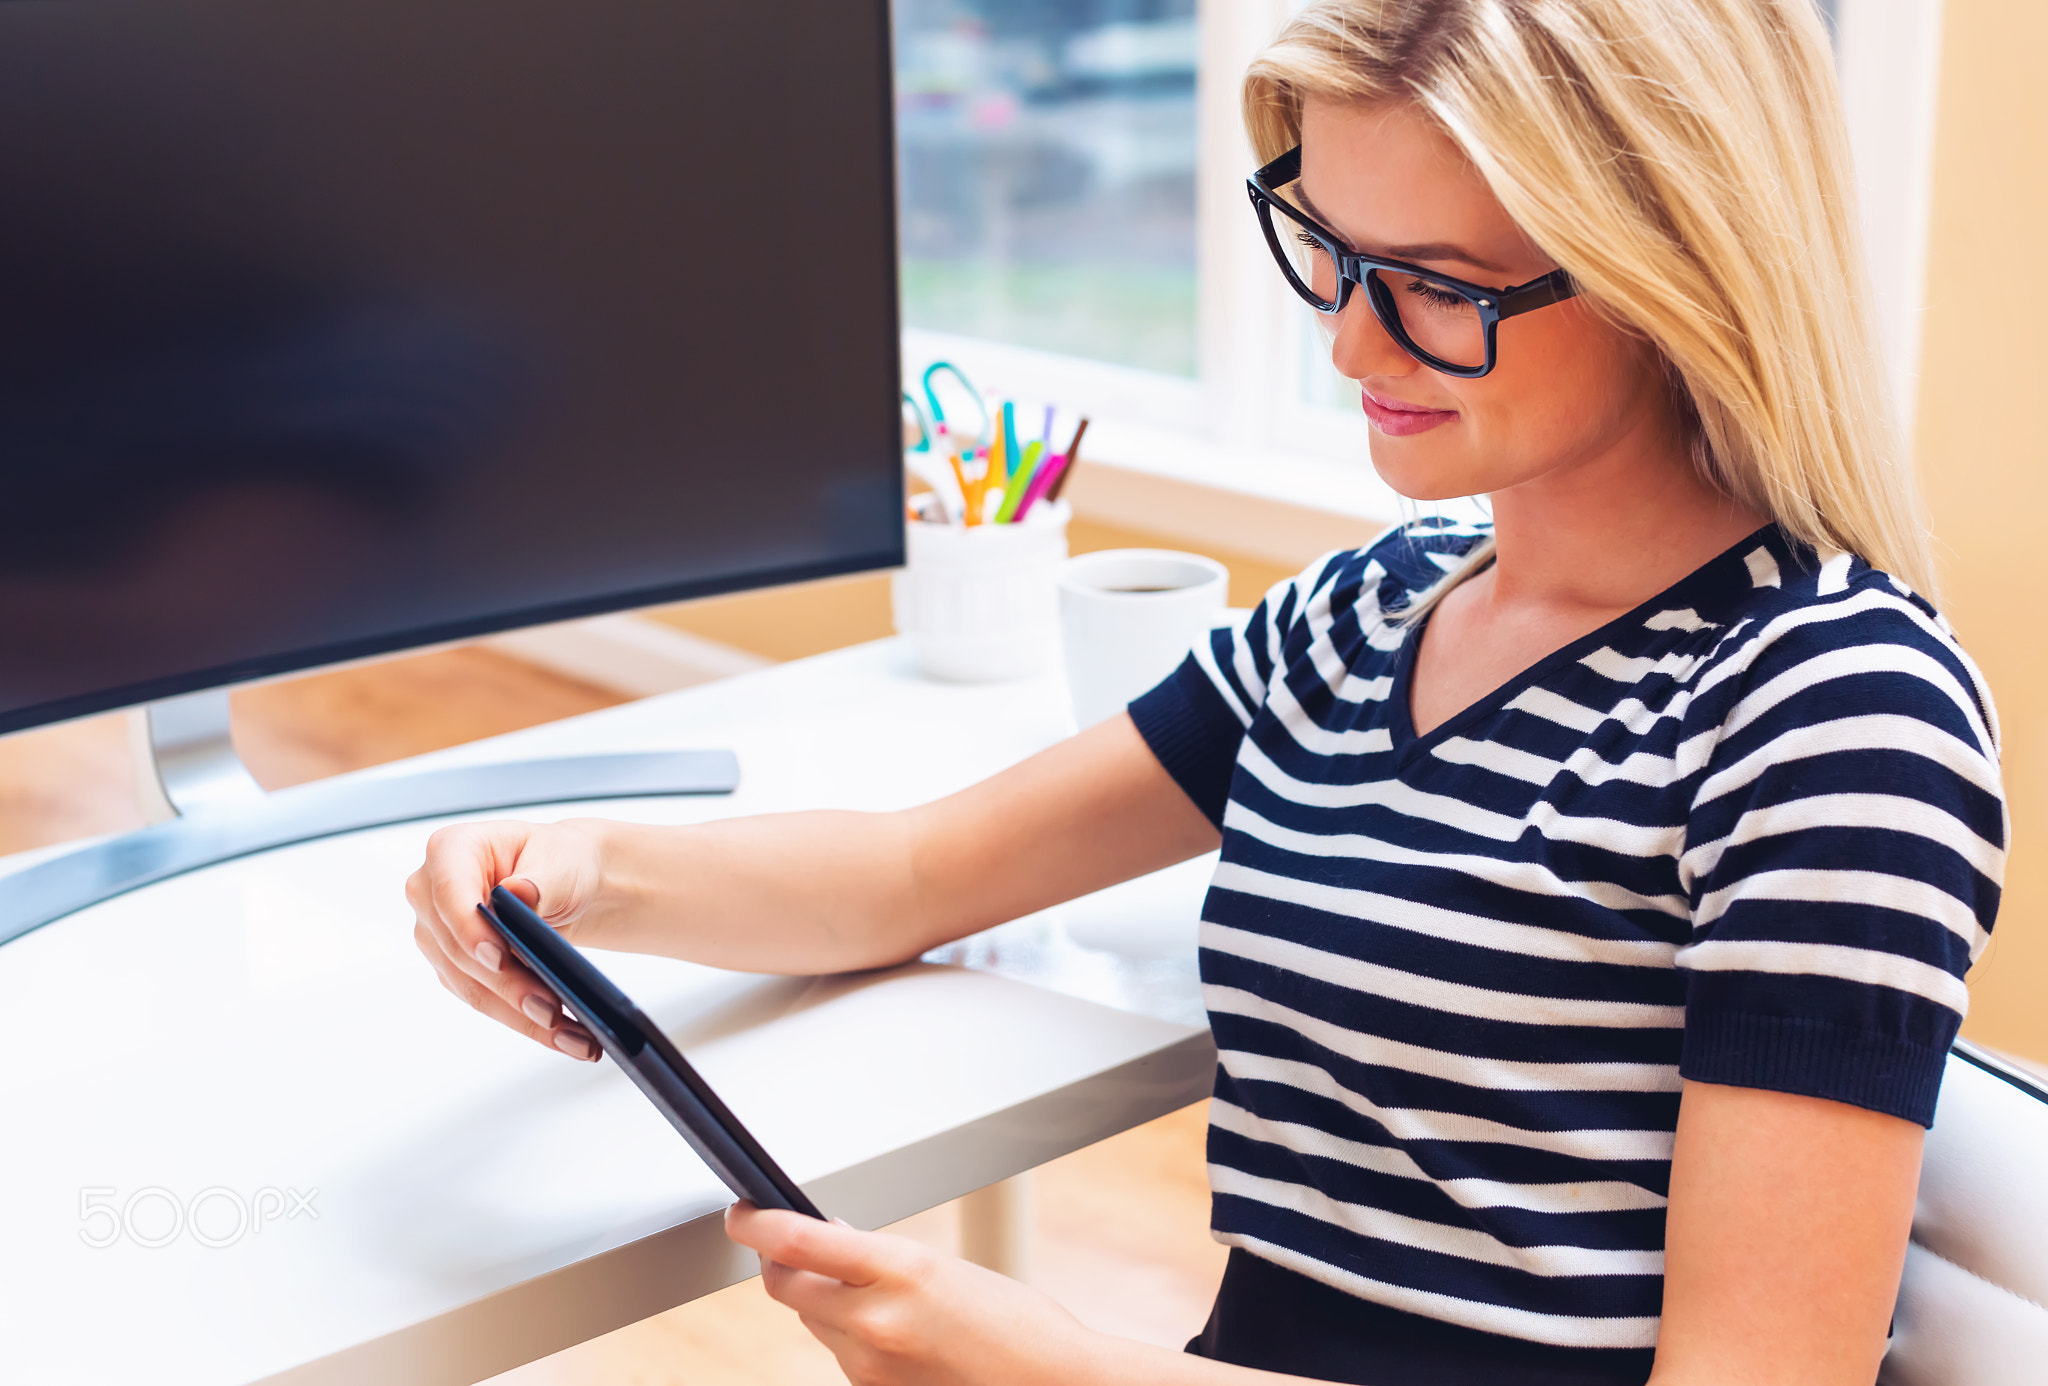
(1411, 480)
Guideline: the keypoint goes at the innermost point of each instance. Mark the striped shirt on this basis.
(1750, 833)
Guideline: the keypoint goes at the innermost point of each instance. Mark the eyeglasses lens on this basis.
(1304, 257)
(1439, 320)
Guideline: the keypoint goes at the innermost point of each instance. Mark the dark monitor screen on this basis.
(336, 327)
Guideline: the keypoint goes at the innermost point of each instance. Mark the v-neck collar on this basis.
(1408, 745)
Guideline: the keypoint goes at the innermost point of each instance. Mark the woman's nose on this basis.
(1362, 346)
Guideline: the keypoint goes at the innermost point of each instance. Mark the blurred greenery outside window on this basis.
(1048, 158)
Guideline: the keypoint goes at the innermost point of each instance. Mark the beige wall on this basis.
(1981, 445)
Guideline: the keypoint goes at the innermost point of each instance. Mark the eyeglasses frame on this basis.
(1493, 305)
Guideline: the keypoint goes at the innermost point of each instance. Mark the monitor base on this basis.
(238, 823)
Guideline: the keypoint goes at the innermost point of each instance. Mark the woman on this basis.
(1596, 885)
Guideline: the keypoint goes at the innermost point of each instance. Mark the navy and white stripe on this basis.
(1751, 833)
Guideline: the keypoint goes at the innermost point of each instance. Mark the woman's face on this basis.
(1567, 388)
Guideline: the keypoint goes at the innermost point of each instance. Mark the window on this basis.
(1048, 175)
(1888, 53)
(1075, 229)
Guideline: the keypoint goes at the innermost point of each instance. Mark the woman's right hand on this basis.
(555, 868)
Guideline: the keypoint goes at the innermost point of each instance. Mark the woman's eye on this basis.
(1436, 295)
(1308, 241)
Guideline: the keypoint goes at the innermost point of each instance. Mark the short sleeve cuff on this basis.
(1193, 732)
(1884, 1073)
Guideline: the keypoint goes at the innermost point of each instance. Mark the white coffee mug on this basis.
(1127, 619)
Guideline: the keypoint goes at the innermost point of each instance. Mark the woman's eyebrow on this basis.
(1429, 250)
(1440, 250)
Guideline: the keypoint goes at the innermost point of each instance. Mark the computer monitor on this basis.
(331, 328)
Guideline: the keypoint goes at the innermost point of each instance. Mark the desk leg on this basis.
(998, 1227)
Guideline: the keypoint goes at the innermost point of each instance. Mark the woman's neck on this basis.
(1608, 533)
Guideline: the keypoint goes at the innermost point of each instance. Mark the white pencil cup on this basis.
(981, 603)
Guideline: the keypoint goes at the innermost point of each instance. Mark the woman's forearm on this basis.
(802, 893)
(824, 891)
(833, 891)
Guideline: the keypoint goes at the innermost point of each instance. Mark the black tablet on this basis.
(638, 1046)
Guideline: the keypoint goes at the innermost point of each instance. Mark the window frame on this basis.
(1888, 55)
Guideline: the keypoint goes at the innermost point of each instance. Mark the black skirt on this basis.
(1276, 1319)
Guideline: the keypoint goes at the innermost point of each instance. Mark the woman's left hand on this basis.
(897, 1313)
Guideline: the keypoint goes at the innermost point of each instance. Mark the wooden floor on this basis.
(1122, 1239)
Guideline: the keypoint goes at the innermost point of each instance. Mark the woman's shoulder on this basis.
(1817, 635)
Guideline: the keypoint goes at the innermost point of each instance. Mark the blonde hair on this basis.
(1687, 162)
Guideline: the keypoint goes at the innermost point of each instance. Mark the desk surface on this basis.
(441, 1200)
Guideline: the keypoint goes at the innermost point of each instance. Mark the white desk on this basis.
(476, 1202)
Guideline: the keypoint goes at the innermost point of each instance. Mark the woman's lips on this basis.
(1398, 420)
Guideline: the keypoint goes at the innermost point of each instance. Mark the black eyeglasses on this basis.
(1447, 324)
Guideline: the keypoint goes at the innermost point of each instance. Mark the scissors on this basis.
(938, 411)
(913, 417)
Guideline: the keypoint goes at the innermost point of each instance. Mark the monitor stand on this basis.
(211, 808)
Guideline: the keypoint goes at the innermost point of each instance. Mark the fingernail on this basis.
(575, 1045)
(491, 956)
(540, 1011)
